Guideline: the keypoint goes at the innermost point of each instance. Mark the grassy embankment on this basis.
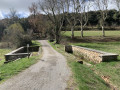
(12, 68)
(111, 70)
(83, 76)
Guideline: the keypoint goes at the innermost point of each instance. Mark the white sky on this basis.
(111, 5)
(22, 6)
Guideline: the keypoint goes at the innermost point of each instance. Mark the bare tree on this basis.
(54, 9)
(13, 15)
(71, 14)
(33, 18)
(36, 20)
(33, 9)
(102, 5)
(82, 9)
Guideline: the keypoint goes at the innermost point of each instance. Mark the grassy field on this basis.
(85, 78)
(12, 68)
(110, 69)
(93, 33)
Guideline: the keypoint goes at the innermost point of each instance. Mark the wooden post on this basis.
(28, 50)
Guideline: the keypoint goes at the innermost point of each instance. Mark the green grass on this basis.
(113, 47)
(93, 33)
(12, 68)
(84, 77)
(35, 43)
(111, 69)
(2, 53)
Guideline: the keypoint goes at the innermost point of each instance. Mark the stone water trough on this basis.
(93, 55)
(20, 53)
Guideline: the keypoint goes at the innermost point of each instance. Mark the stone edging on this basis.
(91, 54)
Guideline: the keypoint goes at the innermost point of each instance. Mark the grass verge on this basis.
(10, 69)
(83, 76)
(108, 69)
(2, 53)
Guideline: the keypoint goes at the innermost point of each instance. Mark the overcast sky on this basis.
(21, 6)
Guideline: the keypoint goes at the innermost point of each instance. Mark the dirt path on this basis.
(50, 73)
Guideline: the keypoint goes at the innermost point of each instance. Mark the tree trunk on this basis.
(57, 36)
(57, 39)
(72, 36)
(81, 31)
(103, 31)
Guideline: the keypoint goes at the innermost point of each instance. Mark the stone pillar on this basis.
(68, 48)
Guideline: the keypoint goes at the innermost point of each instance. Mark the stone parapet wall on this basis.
(95, 56)
(87, 54)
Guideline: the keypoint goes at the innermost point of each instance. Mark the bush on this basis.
(24, 40)
(15, 34)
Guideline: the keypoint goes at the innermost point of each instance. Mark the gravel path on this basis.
(50, 73)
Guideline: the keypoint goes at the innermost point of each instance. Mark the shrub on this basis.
(15, 34)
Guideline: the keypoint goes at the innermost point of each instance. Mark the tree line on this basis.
(50, 17)
(78, 12)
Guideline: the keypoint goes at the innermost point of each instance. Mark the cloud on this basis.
(111, 5)
(1, 15)
(20, 5)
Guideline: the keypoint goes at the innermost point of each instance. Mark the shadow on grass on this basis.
(89, 39)
(118, 60)
(92, 47)
(0, 79)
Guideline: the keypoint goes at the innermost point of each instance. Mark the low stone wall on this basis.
(32, 49)
(95, 56)
(12, 57)
(20, 53)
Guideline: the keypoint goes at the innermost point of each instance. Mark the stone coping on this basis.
(97, 51)
(20, 53)
(17, 54)
(14, 51)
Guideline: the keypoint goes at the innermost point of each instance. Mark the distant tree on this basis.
(33, 18)
(2, 27)
(111, 17)
(37, 20)
(25, 23)
(102, 5)
(33, 9)
(82, 8)
(13, 16)
(71, 14)
(95, 15)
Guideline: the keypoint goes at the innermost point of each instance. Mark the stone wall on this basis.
(20, 53)
(95, 56)
(87, 54)
(32, 49)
